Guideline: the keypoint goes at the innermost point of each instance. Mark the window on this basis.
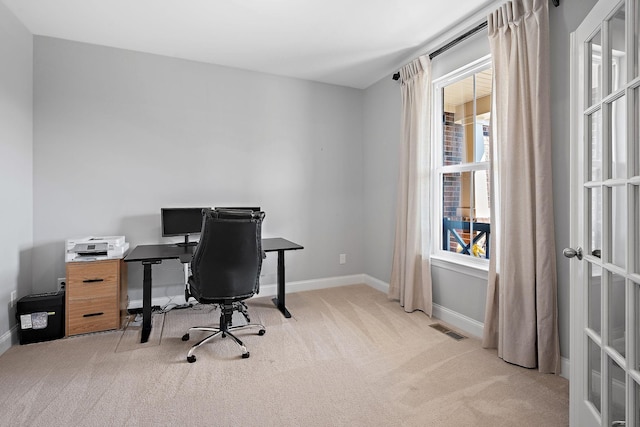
(461, 170)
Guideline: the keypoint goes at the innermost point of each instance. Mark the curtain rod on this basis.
(461, 38)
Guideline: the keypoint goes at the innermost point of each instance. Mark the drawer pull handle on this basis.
(93, 314)
(92, 280)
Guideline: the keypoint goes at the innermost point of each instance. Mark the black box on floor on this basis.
(40, 317)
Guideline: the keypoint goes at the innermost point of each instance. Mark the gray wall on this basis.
(463, 293)
(563, 20)
(16, 152)
(382, 105)
(120, 134)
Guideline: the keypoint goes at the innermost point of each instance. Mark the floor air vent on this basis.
(438, 327)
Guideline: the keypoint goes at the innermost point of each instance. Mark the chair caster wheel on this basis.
(261, 332)
(245, 355)
(191, 359)
(185, 337)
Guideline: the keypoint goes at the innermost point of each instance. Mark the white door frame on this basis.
(581, 414)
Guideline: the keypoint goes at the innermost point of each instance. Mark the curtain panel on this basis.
(411, 271)
(521, 318)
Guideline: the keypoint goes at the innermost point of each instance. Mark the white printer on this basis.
(96, 248)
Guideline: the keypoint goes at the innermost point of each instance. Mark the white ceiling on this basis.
(345, 42)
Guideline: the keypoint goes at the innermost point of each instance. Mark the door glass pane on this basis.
(636, 39)
(595, 49)
(635, 157)
(619, 225)
(595, 298)
(595, 124)
(618, 49)
(636, 230)
(595, 242)
(616, 310)
(636, 298)
(594, 374)
(637, 400)
(618, 138)
(617, 393)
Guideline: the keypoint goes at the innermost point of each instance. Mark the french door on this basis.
(605, 217)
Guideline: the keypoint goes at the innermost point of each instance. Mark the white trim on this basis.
(565, 367)
(460, 321)
(309, 285)
(461, 73)
(438, 169)
(8, 339)
(376, 284)
(270, 290)
(464, 265)
(464, 323)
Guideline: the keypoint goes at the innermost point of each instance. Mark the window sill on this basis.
(466, 265)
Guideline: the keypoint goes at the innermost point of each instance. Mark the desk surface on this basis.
(185, 253)
(279, 244)
(160, 252)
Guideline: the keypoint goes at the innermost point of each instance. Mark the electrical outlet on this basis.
(343, 258)
(14, 297)
(62, 283)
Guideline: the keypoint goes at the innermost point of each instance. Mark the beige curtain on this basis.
(411, 272)
(521, 317)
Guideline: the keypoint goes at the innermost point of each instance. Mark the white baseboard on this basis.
(460, 321)
(565, 366)
(270, 290)
(8, 339)
(376, 284)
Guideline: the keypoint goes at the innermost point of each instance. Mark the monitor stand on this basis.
(187, 243)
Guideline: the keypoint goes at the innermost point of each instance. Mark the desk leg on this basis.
(279, 300)
(146, 302)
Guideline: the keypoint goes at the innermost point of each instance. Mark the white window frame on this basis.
(469, 264)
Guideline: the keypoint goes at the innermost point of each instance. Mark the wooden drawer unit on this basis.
(95, 296)
(92, 315)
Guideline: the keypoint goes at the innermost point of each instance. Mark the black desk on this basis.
(155, 254)
(280, 245)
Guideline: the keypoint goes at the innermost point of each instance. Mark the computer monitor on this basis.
(181, 222)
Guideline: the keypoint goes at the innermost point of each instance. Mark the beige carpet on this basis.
(348, 357)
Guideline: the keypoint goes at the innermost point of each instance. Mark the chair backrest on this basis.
(227, 262)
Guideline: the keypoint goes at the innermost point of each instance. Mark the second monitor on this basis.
(181, 222)
(188, 221)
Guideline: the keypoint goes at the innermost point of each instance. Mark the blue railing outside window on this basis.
(451, 227)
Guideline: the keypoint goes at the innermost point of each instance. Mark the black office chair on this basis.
(225, 270)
